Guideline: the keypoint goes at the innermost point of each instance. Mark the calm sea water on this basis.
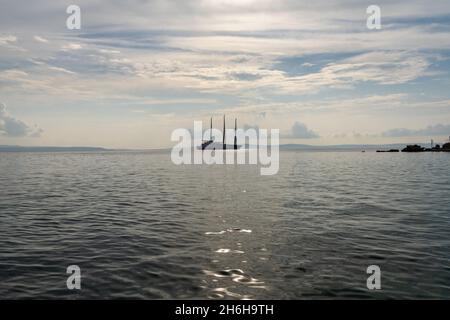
(140, 227)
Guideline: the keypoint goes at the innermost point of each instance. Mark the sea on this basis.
(140, 227)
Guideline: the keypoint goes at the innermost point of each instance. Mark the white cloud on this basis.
(301, 131)
(12, 127)
(72, 46)
(61, 70)
(40, 39)
(7, 40)
(10, 42)
(384, 67)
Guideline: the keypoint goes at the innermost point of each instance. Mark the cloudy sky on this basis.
(136, 70)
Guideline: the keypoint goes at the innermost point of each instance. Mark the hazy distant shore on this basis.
(51, 149)
(342, 147)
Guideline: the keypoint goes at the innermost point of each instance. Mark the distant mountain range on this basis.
(342, 147)
(50, 149)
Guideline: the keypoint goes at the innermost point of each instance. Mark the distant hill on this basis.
(50, 149)
(344, 147)
(304, 147)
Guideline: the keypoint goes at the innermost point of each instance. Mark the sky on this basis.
(137, 70)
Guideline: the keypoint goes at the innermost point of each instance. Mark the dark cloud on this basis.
(432, 130)
(12, 127)
(244, 76)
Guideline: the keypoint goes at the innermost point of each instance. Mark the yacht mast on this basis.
(235, 129)
(224, 142)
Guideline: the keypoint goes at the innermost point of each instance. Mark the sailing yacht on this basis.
(211, 145)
